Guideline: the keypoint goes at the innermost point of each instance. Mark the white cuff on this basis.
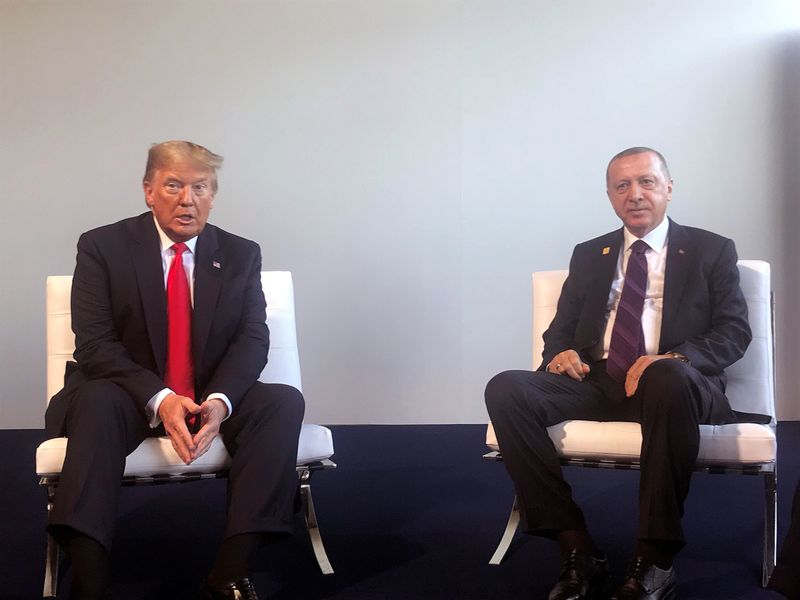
(153, 405)
(224, 398)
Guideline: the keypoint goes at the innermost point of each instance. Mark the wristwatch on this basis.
(680, 357)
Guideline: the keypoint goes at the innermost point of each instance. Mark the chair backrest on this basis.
(284, 358)
(283, 365)
(751, 382)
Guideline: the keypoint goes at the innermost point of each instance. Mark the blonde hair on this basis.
(164, 154)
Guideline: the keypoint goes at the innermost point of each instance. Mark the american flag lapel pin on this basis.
(216, 264)
(606, 250)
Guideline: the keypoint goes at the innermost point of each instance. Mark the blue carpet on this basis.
(411, 512)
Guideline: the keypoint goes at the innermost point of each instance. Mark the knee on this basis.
(291, 402)
(666, 373)
(505, 393)
(666, 383)
(101, 414)
(277, 399)
(99, 402)
(499, 389)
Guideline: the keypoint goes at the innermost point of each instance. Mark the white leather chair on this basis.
(155, 461)
(743, 448)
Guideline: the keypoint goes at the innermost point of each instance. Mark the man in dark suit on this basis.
(169, 321)
(690, 324)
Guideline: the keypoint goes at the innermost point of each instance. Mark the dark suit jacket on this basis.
(120, 321)
(704, 316)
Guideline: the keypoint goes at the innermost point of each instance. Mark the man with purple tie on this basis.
(648, 319)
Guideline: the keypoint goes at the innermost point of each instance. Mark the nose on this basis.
(634, 192)
(186, 196)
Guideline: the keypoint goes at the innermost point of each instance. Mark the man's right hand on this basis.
(568, 363)
(173, 411)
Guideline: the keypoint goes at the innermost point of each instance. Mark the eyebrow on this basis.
(643, 176)
(171, 177)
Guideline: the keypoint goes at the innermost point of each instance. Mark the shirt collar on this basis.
(656, 239)
(167, 243)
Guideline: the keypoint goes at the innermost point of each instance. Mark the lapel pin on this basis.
(606, 250)
(680, 251)
(216, 265)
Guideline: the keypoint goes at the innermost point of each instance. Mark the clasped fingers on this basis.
(203, 439)
(181, 441)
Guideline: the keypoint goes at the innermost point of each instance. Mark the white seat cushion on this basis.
(155, 456)
(316, 443)
(746, 443)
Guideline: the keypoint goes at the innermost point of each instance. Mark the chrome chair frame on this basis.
(304, 472)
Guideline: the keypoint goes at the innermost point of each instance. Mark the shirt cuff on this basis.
(151, 410)
(224, 398)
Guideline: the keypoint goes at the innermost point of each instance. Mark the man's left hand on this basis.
(212, 413)
(638, 368)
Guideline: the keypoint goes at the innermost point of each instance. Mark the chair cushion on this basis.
(155, 456)
(740, 443)
(316, 443)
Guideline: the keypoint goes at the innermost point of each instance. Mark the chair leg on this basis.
(770, 526)
(311, 523)
(508, 535)
(51, 559)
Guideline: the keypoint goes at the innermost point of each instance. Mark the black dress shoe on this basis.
(583, 577)
(241, 589)
(645, 581)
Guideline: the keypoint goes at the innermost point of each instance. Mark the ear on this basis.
(669, 190)
(148, 194)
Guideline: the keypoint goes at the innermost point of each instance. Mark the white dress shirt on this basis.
(656, 257)
(167, 254)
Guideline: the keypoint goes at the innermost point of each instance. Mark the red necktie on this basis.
(627, 337)
(179, 376)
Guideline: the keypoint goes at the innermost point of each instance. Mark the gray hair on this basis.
(641, 150)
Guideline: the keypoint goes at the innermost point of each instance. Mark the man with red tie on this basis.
(648, 319)
(171, 337)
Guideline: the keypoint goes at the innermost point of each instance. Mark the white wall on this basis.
(411, 162)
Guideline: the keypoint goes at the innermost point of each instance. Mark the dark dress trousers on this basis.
(120, 324)
(704, 318)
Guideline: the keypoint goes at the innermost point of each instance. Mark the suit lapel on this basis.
(607, 267)
(146, 257)
(679, 260)
(604, 267)
(596, 272)
(208, 268)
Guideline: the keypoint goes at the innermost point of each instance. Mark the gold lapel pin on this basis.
(606, 250)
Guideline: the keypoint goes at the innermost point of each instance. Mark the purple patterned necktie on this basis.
(627, 337)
